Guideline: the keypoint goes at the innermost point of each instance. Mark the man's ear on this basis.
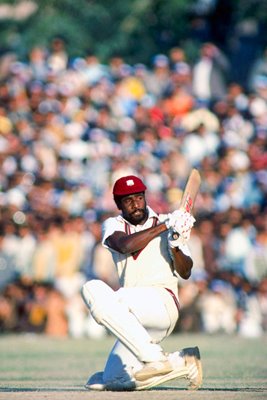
(118, 203)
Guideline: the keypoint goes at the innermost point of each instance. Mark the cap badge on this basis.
(130, 182)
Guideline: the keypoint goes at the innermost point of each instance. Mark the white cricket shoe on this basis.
(192, 370)
(152, 369)
(193, 363)
(181, 372)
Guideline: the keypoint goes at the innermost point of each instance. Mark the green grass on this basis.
(234, 367)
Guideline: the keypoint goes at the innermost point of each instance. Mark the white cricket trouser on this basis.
(140, 317)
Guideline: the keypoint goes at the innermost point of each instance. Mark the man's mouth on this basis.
(137, 212)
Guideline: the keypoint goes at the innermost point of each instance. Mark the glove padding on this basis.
(175, 240)
(181, 221)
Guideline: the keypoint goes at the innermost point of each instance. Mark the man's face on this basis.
(134, 208)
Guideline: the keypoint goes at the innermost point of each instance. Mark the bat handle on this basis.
(175, 235)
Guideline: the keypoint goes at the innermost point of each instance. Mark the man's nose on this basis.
(135, 202)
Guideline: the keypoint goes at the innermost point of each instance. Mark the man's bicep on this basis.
(113, 241)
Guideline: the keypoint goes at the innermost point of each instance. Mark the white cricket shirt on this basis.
(152, 265)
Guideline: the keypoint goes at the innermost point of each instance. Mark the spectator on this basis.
(237, 248)
(258, 73)
(66, 135)
(26, 246)
(200, 144)
(38, 63)
(8, 271)
(218, 308)
(57, 58)
(250, 316)
(56, 314)
(256, 260)
(158, 80)
(210, 74)
(44, 257)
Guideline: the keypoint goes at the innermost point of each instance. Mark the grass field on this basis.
(42, 368)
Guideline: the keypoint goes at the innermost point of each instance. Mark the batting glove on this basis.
(181, 221)
(175, 240)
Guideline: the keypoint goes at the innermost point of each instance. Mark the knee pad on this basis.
(98, 296)
(108, 311)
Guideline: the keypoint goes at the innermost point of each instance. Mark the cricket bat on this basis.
(189, 194)
(191, 190)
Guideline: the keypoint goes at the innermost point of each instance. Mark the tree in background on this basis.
(134, 29)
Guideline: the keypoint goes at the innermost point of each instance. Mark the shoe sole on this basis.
(98, 387)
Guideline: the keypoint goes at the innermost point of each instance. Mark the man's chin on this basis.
(138, 218)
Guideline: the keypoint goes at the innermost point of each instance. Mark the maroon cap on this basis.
(128, 185)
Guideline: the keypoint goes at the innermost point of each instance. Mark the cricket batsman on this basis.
(145, 309)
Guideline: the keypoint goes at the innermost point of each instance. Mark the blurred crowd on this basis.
(70, 127)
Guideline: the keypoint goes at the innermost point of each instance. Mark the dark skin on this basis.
(134, 210)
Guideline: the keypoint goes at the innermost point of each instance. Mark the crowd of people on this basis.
(70, 127)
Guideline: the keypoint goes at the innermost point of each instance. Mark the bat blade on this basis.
(191, 191)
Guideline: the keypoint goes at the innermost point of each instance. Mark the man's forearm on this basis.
(127, 244)
(182, 263)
